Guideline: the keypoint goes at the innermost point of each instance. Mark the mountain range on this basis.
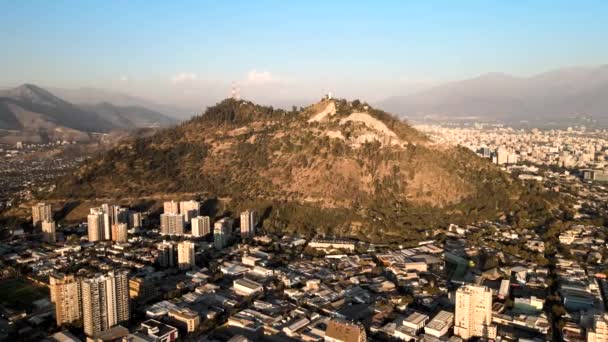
(335, 167)
(552, 99)
(30, 113)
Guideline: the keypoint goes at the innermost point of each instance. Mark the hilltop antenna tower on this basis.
(235, 93)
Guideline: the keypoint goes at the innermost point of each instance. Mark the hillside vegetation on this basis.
(352, 171)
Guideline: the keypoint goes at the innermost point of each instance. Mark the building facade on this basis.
(185, 255)
(41, 212)
(172, 224)
(473, 317)
(201, 226)
(65, 294)
(105, 302)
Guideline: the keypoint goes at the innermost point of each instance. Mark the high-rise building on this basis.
(41, 212)
(189, 209)
(201, 226)
(135, 219)
(96, 225)
(49, 229)
(222, 232)
(185, 255)
(248, 223)
(172, 224)
(120, 232)
(166, 254)
(599, 331)
(473, 317)
(105, 302)
(101, 218)
(171, 207)
(65, 294)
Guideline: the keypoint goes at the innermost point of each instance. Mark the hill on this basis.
(335, 167)
(30, 113)
(552, 99)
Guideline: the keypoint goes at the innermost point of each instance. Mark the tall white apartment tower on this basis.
(473, 317)
(65, 294)
(49, 229)
(172, 224)
(41, 212)
(185, 255)
(105, 302)
(201, 226)
(248, 223)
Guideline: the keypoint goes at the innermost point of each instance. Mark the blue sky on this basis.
(293, 49)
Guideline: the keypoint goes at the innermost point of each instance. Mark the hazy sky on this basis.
(285, 51)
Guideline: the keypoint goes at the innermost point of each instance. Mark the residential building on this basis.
(201, 226)
(473, 316)
(172, 224)
(166, 254)
(185, 255)
(248, 223)
(189, 209)
(49, 231)
(171, 207)
(222, 232)
(65, 294)
(141, 289)
(96, 225)
(120, 232)
(41, 212)
(105, 302)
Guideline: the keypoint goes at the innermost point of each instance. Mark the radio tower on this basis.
(235, 93)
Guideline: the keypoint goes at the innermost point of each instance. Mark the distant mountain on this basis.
(30, 113)
(556, 98)
(335, 167)
(130, 117)
(93, 96)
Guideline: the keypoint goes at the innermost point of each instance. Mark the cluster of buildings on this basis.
(571, 148)
(121, 276)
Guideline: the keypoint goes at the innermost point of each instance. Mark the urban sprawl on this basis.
(125, 275)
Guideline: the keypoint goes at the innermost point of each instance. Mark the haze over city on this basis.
(189, 53)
